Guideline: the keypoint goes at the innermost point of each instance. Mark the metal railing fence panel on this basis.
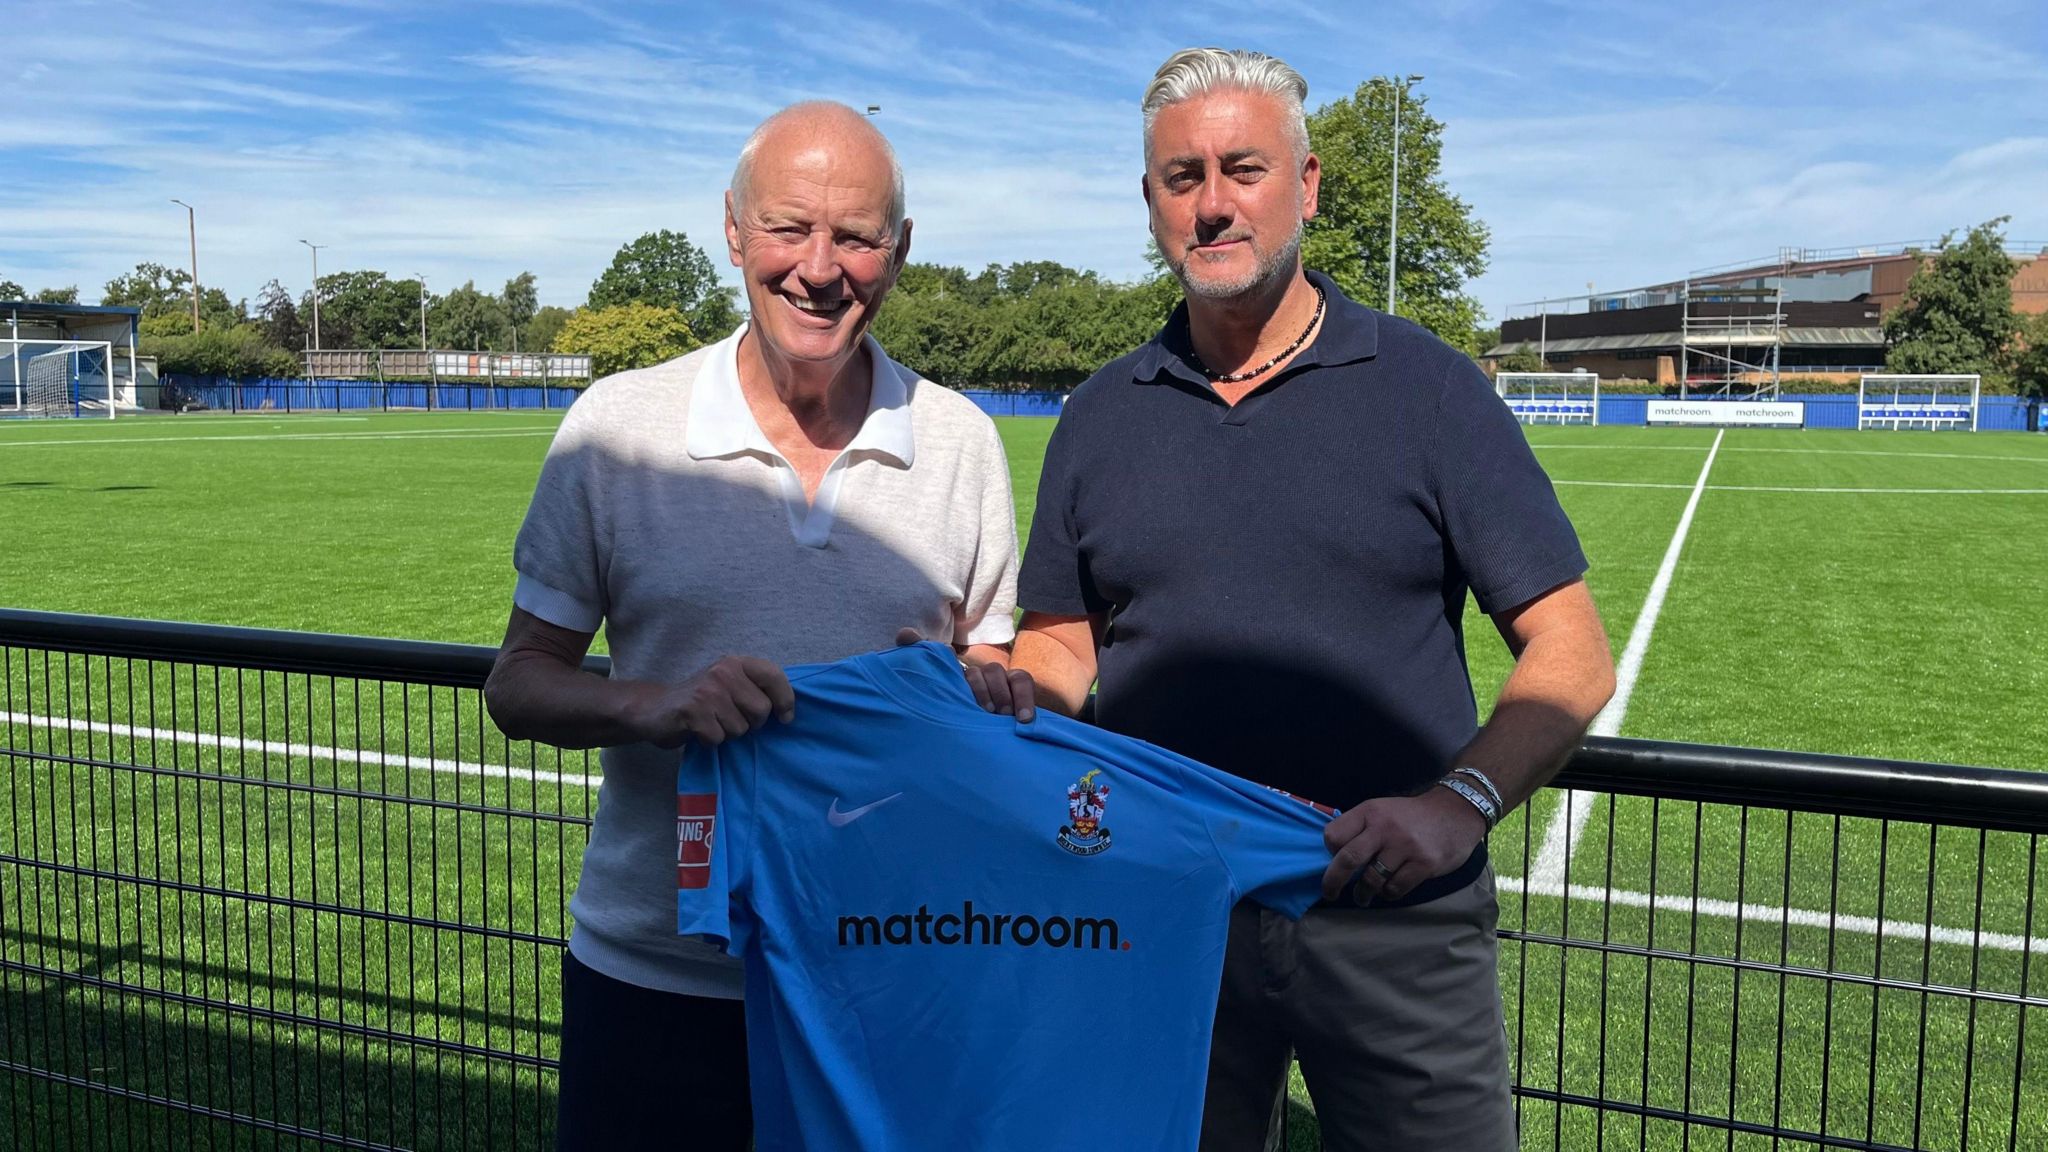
(248, 906)
(274, 890)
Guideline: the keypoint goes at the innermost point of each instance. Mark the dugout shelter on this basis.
(67, 359)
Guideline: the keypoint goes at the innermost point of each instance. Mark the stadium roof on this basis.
(1789, 337)
(60, 312)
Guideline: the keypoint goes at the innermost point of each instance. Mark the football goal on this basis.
(59, 378)
(1551, 397)
(1931, 402)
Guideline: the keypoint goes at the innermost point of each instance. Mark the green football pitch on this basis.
(1866, 593)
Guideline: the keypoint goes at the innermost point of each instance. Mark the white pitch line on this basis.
(311, 751)
(1617, 484)
(1770, 914)
(1878, 452)
(1621, 447)
(423, 434)
(1788, 488)
(1543, 444)
(1887, 491)
(1569, 821)
(248, 418)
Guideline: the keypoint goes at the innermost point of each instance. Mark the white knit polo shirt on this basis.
(663, 513)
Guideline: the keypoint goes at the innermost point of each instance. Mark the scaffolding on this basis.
(1730, 338)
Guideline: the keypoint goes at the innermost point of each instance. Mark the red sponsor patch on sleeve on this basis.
(696, 816)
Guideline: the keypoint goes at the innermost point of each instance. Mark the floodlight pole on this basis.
(316, 290)
(423, 311)
(192, 233)
(1394, 200)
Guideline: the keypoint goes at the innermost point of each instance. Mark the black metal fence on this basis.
(290, 395)
(275, 890)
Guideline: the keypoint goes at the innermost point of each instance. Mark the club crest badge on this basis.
(1084, 834)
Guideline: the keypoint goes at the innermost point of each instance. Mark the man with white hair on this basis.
(788, 494)
(1258, 532)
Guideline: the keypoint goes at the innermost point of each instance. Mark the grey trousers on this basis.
(1394, 1013)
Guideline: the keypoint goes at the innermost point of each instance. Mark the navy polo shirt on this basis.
(1285, 579)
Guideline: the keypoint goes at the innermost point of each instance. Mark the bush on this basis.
(625, 336)
(239, 352)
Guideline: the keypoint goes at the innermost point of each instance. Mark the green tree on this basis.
(1957, 312)
(1035, 324)
(626, 336)
(538, 333)
(521, 302)
(1520, 360)
(9, 290)
(215, 311)
(366, 309)
(154, 288)
(1442, 243)
(66, 295)
(2030, 360)
(468, 319)
(1027, 276)
(277, 314)
(666, 270)
(929, 325)
(239, 351)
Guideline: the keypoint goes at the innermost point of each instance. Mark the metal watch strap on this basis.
(1478, 799)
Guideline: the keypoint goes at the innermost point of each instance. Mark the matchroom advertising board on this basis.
(1729, 413)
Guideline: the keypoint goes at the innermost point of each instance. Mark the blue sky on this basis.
(1610, 143)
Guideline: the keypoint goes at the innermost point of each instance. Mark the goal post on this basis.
(1897, 401)
(59, 378)
(1550, 397)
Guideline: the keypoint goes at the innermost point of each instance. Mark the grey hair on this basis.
(1193, 72)
(743, 171)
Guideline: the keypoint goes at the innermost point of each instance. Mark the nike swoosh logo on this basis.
(839, 819)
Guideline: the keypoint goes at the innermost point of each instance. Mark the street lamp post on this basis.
(1394, 200)
(192, 232)
(316, 290)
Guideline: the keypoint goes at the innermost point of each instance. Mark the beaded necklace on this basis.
(1250, 373)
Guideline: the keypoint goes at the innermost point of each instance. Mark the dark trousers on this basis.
(1395, 1014)
(648, 1069)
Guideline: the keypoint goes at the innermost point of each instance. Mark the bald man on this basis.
(786, 495)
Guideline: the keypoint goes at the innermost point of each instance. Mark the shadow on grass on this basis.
(178, 972)
(116, 1065)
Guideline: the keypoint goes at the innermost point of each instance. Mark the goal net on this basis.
(1551, 397)
(58, 378)
(1930, 402)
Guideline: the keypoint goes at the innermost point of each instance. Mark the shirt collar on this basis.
(721, 424)
(1350, 333)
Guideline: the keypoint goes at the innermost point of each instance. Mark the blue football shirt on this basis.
(964, 932)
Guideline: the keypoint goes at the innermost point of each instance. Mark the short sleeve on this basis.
(1055, 577)
(710, 844)
(1271, 843)
(559, 552)
(988, 605)
(1499, 512)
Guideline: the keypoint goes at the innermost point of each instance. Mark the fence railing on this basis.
(282, 890)
(290, 395)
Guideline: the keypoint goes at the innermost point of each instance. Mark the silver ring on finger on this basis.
(1380, 867)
